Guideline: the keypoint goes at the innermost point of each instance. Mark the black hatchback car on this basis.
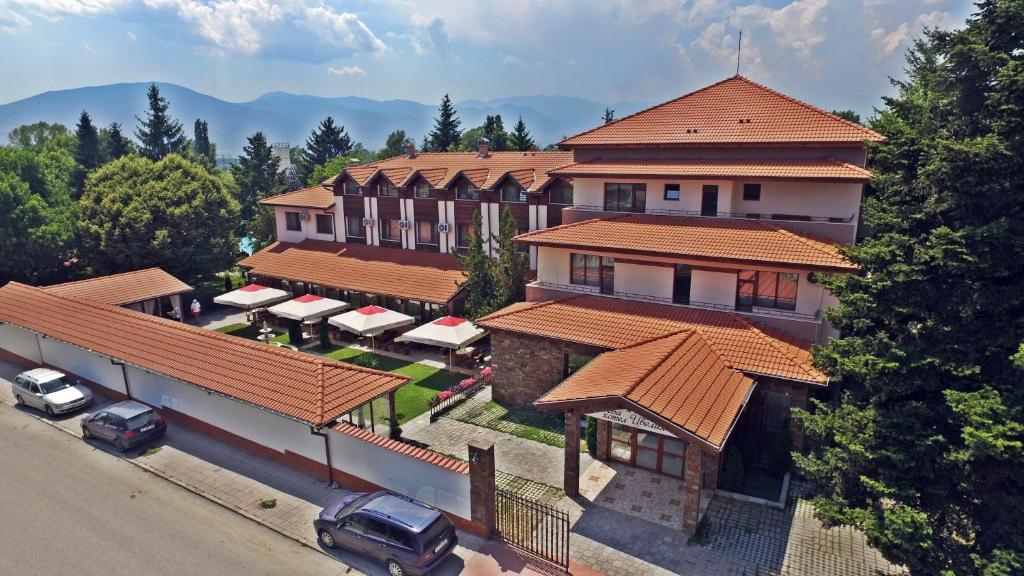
(408, 536)
(125, 424)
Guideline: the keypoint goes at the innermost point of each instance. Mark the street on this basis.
(68, 508)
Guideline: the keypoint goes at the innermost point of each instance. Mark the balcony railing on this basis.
(745, 215)
(793, 315)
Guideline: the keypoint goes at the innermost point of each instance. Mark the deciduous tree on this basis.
(393, 146)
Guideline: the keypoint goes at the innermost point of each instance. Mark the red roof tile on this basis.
(736, 240)
(615, 323)
(124, 288)
(735, 111)
(678, 377)
(298, 385)
(393, 272)
(818, 169)
(319, 197)
(402, 448)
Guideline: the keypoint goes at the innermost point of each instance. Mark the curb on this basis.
(311, 544)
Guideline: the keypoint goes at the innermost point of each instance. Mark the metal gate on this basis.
(532, 526)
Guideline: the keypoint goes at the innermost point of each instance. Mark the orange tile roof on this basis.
(298, 385)
(615, 323)
(819, 169)
(434, 458)
(737, 240)
(124, 288)
(442, 168)
(314, 197)
(678, 377)
(735, 111)
(393, 272)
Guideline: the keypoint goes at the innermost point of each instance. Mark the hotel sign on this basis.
(627, 418)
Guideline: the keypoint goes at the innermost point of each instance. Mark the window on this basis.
(463, 232)
(751, 192)
(292, 222)
(625, 197)
(386, 188)
(512, 192)
(466, 190)
(561, 193)
(423, 190)
(354, 227)
(766, 289)
(672, 192)
(426, 232)
(352, 189)
(709, 200)
(681, 284)
(591, 270)
(399, 536)
(390, 229)
(324, 224)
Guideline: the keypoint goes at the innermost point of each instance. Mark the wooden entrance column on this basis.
(571, 481)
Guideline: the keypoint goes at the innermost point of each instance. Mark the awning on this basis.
(308, 307)
(252, 296)
(370, 320)
(447, 332)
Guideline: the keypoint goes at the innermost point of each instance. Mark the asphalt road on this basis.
(68, 508)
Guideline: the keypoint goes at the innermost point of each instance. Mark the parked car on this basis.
(50, 391)
(408, 536)
(125, 424)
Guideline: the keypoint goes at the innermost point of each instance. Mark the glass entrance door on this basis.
(709, 200)
(621, 440)
(647, 450)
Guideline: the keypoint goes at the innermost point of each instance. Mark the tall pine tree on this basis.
(512, 263)
(446, 134)
(114, 143)
(494, 131)
(326, 142)
(87, 152)
(159, 134)
(256, 174)
(520, 140)
(925, 450)
(479, 283)
(609, 115)
(206, 152)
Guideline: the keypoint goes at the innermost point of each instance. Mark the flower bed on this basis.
(459, 392)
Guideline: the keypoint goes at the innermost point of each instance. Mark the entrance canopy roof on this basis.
(252, 296)
(679, 380)
(308, 307)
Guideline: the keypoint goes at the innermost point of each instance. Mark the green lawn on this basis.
(250, 331)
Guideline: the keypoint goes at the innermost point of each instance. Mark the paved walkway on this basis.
(219, 318)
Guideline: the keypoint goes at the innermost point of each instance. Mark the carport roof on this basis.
(124, 288)
(301, 386)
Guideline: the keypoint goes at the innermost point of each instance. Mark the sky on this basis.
(837, 54)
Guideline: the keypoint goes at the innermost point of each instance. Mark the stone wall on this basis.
(525, 367)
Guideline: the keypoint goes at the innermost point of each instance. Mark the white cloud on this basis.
(888, 42)
(431, 31)
(346, 71)
(132, 37)
(11, 22)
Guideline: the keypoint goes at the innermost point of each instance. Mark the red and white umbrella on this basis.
(252, 296)
(447, 332)
(370, 320)
(308, 307)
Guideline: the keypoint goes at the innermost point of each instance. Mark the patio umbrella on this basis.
(447, 332)
(308, 307)
(252, 296)
(370, 320)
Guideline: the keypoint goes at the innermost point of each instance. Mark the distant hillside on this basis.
(285, 117)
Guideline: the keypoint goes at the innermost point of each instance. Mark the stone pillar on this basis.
(712, 465)
(691, 489)
(604, 432)
(481, 484)
(571, 484)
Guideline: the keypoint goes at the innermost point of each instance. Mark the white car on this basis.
(50, 391)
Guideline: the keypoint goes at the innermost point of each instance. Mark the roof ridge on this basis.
(572, 224)
(809, 106)
(649, 108)
(115, 275)
(532, 306)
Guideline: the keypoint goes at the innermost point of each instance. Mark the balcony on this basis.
(840, 229)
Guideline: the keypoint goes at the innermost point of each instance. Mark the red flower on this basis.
(467, 383)
(444, 395)
(487, 372)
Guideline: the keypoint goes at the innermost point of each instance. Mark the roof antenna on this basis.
(739, 48)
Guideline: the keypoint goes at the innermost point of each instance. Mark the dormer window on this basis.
(352, 189)
(466, 190)
(386, 188)
(512, 192)
(423, 190)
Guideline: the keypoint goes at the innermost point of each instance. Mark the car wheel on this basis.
(86, 434)
(49, 410)
(326, 539)
(119, 445)
(395, 569)
(19, 401)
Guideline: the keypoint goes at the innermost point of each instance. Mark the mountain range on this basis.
(286, 117)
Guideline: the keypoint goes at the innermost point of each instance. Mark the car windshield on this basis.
(54, 385)
(353, 505)
(140, 420)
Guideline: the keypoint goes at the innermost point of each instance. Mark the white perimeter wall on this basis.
(89, 365)
(19, 341)
(413, 477)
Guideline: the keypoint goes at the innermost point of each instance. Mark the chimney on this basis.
(410, 148)
(483, 143)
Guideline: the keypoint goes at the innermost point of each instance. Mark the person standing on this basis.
(196, 309)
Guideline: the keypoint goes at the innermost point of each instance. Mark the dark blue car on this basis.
(125, 424)
(406, 535)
